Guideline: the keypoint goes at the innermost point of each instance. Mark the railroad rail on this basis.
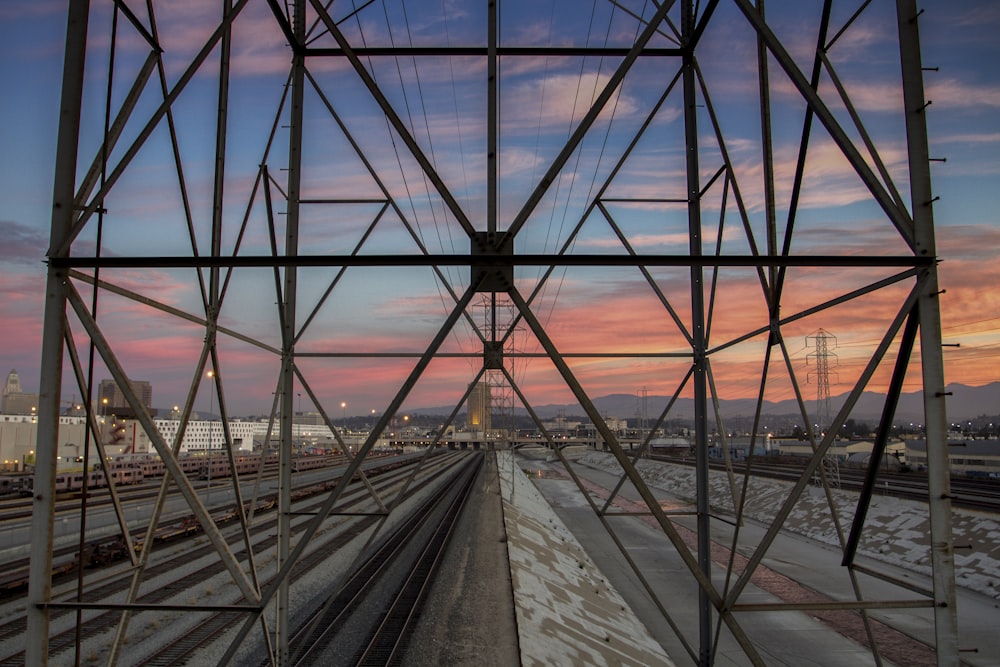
(973, 494)
(104, 551)
(372, 615)
(208, 626)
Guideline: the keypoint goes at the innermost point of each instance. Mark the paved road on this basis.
(784, 638)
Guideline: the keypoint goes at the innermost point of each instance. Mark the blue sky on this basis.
(541, 99)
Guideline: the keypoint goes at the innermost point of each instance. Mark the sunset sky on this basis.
(442, 102)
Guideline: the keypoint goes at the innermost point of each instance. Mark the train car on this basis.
(130, 475)
(313, 462)
(214, 468)
(153, 467)
(191, 464)
(9, 485)
(218, 466)
(68, 482)
(135, 469)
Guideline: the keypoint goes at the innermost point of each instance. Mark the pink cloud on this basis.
(558, 100)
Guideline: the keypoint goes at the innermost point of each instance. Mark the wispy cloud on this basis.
(22, 244)
(953, 92)
(558, 100)
(981, 138)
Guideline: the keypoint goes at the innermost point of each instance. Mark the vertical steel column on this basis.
(288, 332)
(767, 151)
(698, 342)
(932, 364)
(491, 156)
(53, 333)
(218, 186)
(492, 130)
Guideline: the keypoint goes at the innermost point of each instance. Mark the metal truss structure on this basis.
(283, 187)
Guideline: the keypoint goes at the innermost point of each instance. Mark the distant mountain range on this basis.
(964, 403)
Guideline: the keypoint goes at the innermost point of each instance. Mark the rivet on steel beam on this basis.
(916, 16)
(928, 203)
(926, 104)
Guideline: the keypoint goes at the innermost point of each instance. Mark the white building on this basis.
(208, 435)
(19, 433)
(199, 436)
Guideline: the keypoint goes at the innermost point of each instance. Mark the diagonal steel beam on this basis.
(64, 244)
(899, 217)
(881, 438)
(588, 120)
(89, 181)
(396, 121)
(170, 310)
(602, 514)
(786, 508)
(324, 510)
(226, 555)
(611, 439)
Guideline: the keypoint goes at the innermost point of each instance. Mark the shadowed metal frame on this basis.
(79, 204)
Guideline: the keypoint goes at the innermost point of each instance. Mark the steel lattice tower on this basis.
(824, 343)
(292, 205)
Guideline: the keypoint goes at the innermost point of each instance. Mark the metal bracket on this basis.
(493, 355)
(497, 275)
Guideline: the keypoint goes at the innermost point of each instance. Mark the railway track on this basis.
(67, 560)
(370, 618)
(970, 494)
(69, 502)
(179, 587)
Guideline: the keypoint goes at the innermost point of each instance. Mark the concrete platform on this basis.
(568, 612)
(535, 579)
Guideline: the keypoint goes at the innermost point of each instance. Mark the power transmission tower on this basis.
(497, 316)
(824, 363)
(347, 203)
(824, 360)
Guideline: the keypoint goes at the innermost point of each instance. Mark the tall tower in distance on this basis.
(823, 342)
(109, 389)
(14, 401)
(13, 384)
(480, 408)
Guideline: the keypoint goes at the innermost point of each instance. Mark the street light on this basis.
(211, 432)
(104, 418)
(343, 408)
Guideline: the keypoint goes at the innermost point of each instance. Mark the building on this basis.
(15, 401)
(842, 450)
(110, 395)
(479, 408)
(200, 436)
(19, 433)
(207, 435)
(971, 458)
